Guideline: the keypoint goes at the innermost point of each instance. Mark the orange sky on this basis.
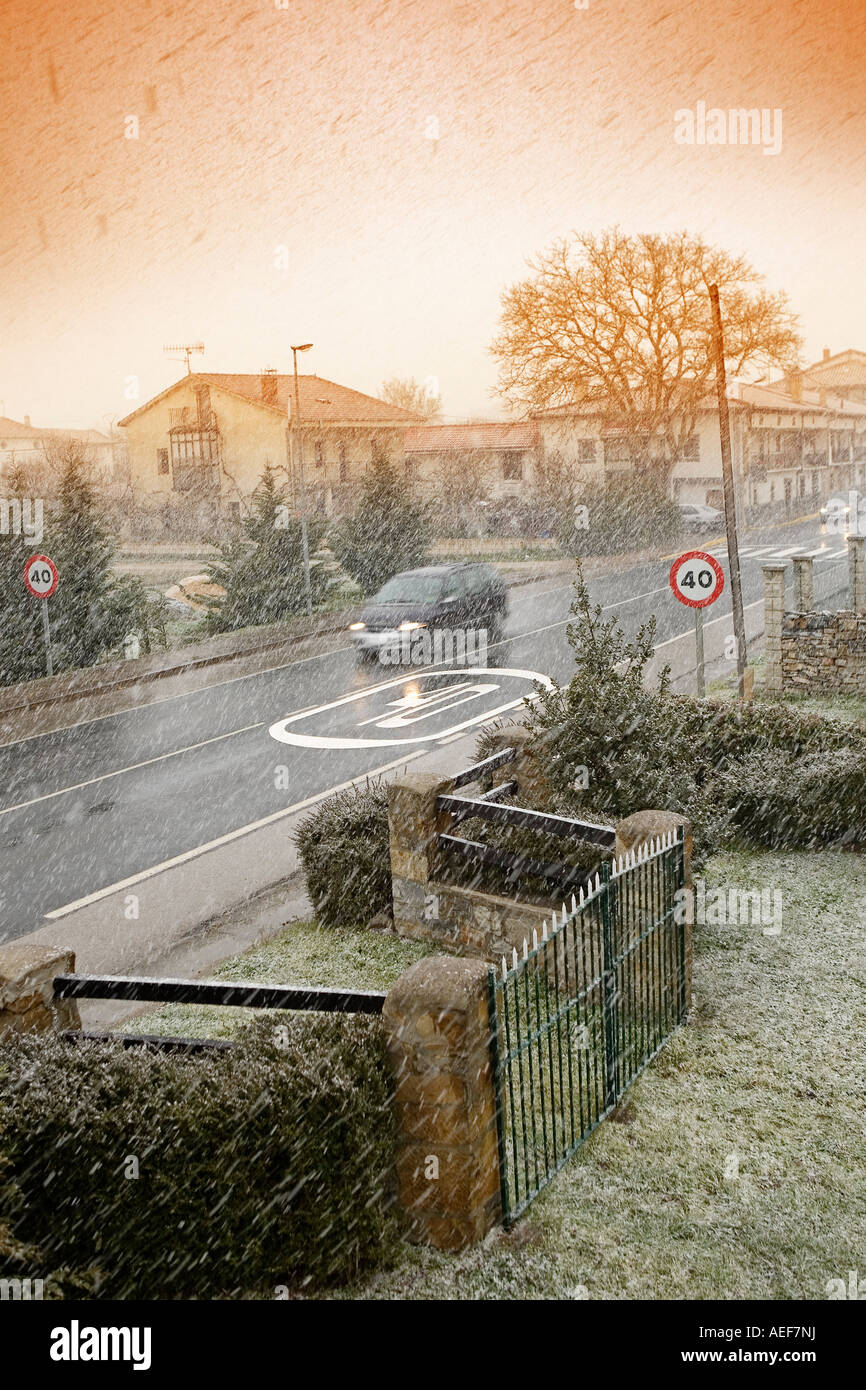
(308, 127)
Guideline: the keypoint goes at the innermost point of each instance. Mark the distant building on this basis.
(210, 436)
(24, 445)
(499, 456)
(841, 373)
(790, 446)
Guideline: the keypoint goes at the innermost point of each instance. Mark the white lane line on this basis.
(182, 695)
(226, 839)
(606, 608)
(103, 777)
(725, 618)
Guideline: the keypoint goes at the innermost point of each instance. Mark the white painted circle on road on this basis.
(424, 698)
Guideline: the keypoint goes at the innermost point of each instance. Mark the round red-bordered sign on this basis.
(40, 576)
(697, 578)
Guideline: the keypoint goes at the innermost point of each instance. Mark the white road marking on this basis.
(224, 839)
(280, 730)
(118, 772)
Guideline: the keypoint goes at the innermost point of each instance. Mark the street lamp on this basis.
(298, 467)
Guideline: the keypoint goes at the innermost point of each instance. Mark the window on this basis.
(195, 459)
(692, 449)
(512, 469)
(816, 484)
(235, 511)
(202, 397)
(801, 485)
(320, 454)
(162, 460)
(586, 451)
(772, 492)
(454, 587)
(344, 464)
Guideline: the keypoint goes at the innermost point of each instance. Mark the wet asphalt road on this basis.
(86, 807)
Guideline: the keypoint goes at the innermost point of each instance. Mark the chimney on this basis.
(826, 354)
(27, 421)
(796, 383)
(269, 385)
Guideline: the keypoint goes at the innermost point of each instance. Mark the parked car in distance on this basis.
(697, 516)
(460, 596)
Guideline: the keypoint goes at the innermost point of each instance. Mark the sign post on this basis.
(697, 579)
(718, 344)
(41, 578)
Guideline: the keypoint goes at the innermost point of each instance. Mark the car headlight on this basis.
(357, 627)
(410, 627)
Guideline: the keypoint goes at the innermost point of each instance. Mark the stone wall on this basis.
(824, 651)
(812, 651)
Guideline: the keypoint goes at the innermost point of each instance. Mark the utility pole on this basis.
(729, 495)
(298, 472)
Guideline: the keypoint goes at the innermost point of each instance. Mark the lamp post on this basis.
(298, 469)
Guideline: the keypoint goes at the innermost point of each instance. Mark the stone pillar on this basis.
(438, 1036)
(857, 573)
(774, 609)
(414, 828)
(804, 591)
(27, 1003)
(524, 770)
(643, 826)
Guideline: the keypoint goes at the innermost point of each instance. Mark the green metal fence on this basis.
(583, 1011)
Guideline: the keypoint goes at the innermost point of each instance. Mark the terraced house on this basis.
(208, 438)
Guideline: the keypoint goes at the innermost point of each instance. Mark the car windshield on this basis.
(410, 588)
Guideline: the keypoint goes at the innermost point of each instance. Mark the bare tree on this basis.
(623, 322)
(409, 395)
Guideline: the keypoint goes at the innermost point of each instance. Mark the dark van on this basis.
(457, 597)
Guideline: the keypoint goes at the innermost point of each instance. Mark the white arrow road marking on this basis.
(282, 732)
(414, 707)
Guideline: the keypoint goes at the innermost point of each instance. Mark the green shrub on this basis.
(815, 800)
(345, 850)
(607, 746)
(267, 1164)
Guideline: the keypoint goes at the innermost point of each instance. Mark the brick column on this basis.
(27, 1003)
(857, 573)
(638, 829)
(774, 608)
(414, 828)
(438, 1035)
(531, 784)
(804, 590)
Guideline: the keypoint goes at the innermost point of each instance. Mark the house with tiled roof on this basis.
(210, 436)
(792, 446)
(23, 445)
(501, 454)
(841, 374)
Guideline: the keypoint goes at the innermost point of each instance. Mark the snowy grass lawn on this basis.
(734, 1168)
(305, 954)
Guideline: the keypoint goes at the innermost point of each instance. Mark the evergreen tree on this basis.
(91, 611)
(388, 531)
(22, 651)
(261, 565)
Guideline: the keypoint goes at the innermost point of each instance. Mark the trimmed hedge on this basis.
(345, 850)
(267, 1164)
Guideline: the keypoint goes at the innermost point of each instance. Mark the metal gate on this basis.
(585, 1009)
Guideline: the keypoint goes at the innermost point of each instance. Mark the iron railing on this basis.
(583, 1011)
(235, 994)
(459, 855)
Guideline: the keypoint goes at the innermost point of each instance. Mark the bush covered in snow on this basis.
(764, 773)
(345, 851)
(222, 1174)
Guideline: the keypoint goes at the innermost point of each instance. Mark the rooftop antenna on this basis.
(186, 349)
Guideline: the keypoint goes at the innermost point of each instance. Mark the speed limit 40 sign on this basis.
(40, 576)
(697, 578)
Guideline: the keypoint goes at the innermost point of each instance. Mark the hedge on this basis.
(345, 850)
(224, 1174)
